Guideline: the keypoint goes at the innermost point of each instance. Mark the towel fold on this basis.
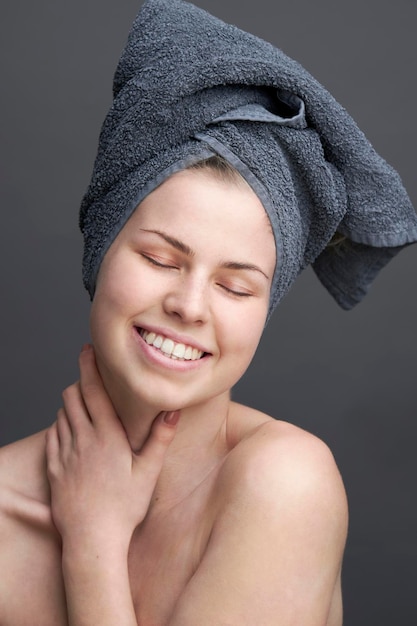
(187, 86)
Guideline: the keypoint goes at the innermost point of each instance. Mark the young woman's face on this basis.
(182, 294)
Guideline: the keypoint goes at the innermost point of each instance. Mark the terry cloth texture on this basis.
(187, 86)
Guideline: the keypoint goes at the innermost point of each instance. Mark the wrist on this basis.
(97, 587)
(87, 548)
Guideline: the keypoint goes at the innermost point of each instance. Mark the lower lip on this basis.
(157, 357)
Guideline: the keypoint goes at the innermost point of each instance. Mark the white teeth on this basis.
(177, 351)
(150, 338)
(167, 346)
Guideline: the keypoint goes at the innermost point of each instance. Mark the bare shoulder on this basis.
(22, 467)
(272, 457)
(28, 540)
(279, 531)
(24, 489)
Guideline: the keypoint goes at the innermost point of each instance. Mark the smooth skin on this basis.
(154, 499)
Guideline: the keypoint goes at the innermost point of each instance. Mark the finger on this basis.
(152, 454)
(64, 432)
(96, 399)
(51, 448)
(78, 418)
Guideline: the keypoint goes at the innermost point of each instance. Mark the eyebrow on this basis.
(182, 247)
(235, 265)
(175, 243)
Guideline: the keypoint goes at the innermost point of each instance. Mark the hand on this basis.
(99, 487)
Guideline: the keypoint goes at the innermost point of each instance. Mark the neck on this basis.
(199, 446)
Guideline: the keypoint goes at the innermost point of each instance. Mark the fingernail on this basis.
(86, 347)
(172, 417)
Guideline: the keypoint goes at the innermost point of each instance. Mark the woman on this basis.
(154, 512)
(153, 515)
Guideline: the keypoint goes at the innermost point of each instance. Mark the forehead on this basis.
(204, 199)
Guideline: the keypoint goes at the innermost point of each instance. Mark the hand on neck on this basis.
(200, 443)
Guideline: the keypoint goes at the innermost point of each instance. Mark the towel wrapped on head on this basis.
(189, 86)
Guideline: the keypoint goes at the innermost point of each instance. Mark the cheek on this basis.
(243, 331)
(115, 281)
(119, 285)
(109, 303)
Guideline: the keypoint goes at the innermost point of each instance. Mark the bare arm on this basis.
(100, 491)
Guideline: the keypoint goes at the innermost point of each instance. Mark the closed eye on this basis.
(153, 261)
(235, 292)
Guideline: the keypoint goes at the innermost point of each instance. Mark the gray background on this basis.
(348, 377)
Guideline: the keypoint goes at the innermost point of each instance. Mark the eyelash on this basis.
(239, 294)
(157, 263)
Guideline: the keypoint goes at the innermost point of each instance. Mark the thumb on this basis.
(152, 454)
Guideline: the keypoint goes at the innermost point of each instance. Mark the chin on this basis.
(149, 393)
(171, 398)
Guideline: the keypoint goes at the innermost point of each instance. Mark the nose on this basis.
(188, 300)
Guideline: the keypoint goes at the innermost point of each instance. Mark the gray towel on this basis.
(187, 86)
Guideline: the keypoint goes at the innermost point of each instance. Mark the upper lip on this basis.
(176, 337)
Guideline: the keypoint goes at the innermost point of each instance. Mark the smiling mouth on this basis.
(171, 349)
